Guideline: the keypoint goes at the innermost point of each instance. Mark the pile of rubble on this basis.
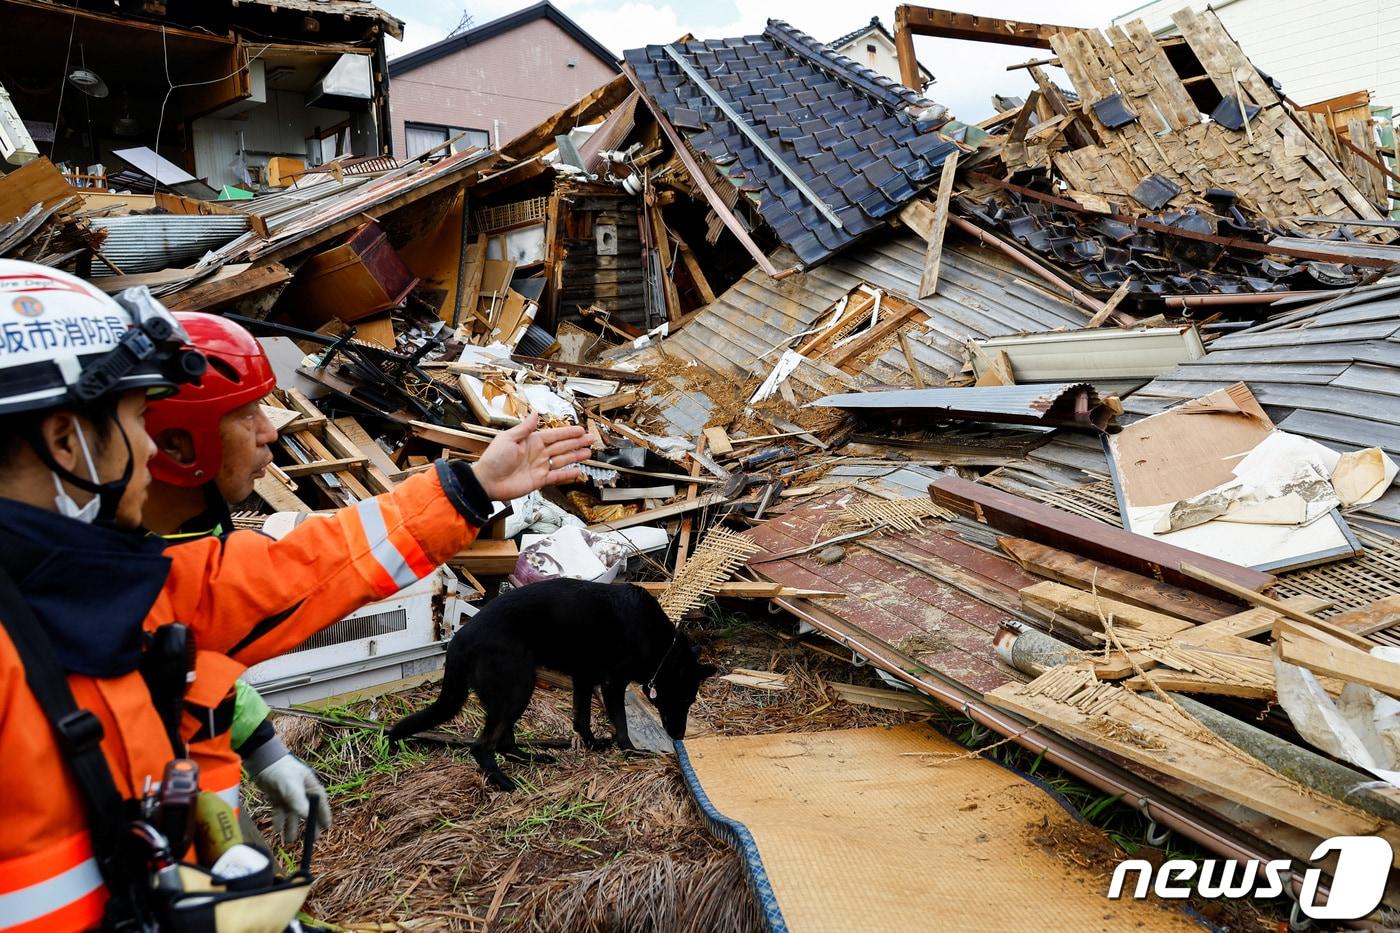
(1029, 414)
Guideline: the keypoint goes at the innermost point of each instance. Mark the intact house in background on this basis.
(261, 89)
(495, 81)
(872, 45)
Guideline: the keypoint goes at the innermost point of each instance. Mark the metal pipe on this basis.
(1258, 298)
(1026, 262)
(1135, 791)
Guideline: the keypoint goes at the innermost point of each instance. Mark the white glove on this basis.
(288, 782)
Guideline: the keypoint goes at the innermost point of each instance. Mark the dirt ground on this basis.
(594, 842)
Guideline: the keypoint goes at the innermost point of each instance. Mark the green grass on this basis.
(550, 818)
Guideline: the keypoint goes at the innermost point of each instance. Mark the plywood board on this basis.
(1188, 449)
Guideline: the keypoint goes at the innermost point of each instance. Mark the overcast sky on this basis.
(967, 73)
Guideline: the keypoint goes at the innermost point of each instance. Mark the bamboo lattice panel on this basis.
(713, 562)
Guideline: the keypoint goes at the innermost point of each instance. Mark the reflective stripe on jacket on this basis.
(244, 595)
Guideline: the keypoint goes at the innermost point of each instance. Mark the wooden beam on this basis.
(1330, 659)
(1381, 614)
(1017, 133)
(933, 255)
(661, 238)
(203, 296)
(697, 275)
(665, 512)
(1122, 585)
(910, 359)
(1114, 300)
(945, 24)
(1095, 540)
(688, 523)
(697, 176)
(1091, 610)
(1167, 741)
(904, 50)
(316, 467)
(1277, 605)
(580, 369)
(589, 108)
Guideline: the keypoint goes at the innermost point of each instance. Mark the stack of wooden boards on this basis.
(1143, 102)
(1169, 626)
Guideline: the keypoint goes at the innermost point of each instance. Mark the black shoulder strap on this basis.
(79, 734)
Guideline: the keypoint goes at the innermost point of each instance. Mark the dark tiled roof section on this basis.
(843, 129)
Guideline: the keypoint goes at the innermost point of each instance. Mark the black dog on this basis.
(599, 634)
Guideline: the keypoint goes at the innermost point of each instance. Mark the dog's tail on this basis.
(455, 687)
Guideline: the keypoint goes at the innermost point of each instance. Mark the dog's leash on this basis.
(650, 685)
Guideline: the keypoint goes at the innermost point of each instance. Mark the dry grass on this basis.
(603, 842)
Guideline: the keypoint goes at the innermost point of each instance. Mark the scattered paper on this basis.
(1361, 726)
(1363, 476)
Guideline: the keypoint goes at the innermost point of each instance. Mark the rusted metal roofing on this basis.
(299, 217)
(1069, 404)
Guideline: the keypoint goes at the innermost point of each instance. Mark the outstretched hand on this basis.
(523, 459)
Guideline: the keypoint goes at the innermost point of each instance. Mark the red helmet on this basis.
(238, 373)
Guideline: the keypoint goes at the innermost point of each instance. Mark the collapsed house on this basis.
(1078, 420)
(196, 98)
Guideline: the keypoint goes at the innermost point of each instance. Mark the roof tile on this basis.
(836, 125)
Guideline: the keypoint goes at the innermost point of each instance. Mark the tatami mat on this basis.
(863, 829)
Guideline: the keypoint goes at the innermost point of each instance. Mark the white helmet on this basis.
(63, 341)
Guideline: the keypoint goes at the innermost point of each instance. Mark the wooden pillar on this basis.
(904, 50)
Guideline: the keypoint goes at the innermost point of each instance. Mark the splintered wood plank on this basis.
(1151, 733)
(1277, 605)
(1184, 682)
(1122, 585)
(1090, 610)
(1381, 614)
(933, 255)
(1296, 645)
(1095, 540)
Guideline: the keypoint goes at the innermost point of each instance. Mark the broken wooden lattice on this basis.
(898, 514)
(712, 563)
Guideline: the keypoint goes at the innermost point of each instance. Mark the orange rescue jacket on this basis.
(246, 596)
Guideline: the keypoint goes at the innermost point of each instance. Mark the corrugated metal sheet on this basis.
(980, 295)
(1064, 403)
(319, 201)
(148, 242)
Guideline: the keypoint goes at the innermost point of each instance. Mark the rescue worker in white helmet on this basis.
(91, 700)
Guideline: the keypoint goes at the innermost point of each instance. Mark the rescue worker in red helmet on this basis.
(212, 444)
(85, 597)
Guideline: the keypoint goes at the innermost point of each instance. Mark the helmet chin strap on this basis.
(102, 507)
